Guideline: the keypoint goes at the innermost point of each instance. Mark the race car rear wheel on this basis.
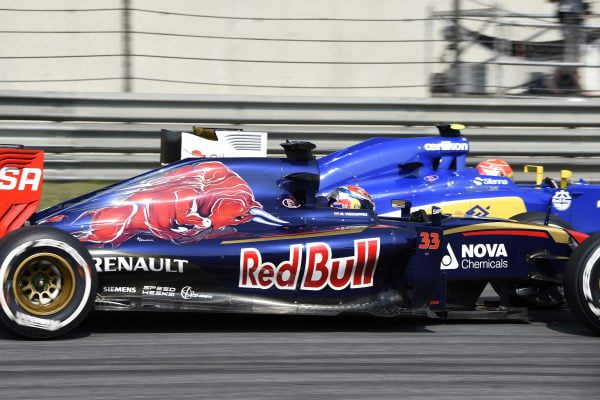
(582, 283)
(48, 282)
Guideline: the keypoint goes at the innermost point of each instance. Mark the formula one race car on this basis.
(250, 235)
(431, 171)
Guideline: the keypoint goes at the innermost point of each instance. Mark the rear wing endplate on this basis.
(21, 178)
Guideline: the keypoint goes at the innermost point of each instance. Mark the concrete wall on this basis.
(325, 79)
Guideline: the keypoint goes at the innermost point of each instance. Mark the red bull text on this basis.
(321, 270)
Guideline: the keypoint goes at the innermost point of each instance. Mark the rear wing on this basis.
(211, 143)
(21, 178)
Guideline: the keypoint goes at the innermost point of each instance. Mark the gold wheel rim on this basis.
(43, 284)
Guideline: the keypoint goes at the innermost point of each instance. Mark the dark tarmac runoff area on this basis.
(191, 356)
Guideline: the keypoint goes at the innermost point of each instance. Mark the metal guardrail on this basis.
(113, 136)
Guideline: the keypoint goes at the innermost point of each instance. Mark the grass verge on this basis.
(56, 192)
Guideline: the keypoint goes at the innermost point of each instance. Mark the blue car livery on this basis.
(430, 171)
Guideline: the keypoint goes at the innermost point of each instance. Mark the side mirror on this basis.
(539, 173)
(404, 206)
(564, 175)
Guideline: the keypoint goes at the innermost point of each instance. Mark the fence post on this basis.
(457, 39)
(126, 45)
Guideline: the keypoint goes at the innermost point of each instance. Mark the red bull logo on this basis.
(321, 270)
(184, 205)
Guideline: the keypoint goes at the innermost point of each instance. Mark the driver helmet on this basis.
(350, 197)
(494, 167)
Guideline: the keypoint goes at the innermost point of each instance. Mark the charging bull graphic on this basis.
(185, 205)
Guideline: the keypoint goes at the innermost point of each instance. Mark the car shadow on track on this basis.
(155, 322)
(561, 320)
(160, 322)
(147, 322)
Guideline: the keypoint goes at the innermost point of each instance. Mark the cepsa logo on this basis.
(320, 268)
(21, 179)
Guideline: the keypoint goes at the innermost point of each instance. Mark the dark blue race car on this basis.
(253, 236)
(430, 171)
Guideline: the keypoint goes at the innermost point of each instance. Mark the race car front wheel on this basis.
(582, 283)
(48, 282)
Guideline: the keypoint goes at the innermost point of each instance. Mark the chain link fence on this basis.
(497, 51)
(393, 48)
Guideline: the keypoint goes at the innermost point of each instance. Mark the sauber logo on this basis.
(21, 179)
(320, 268)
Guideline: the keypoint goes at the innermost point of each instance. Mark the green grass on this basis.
(56, 192)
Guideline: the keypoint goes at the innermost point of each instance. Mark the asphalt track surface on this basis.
(181, 356)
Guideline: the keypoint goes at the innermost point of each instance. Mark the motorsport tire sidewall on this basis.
(30, 241)
(582, 286)
(540, 217)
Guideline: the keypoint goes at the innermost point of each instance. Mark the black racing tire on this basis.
(49, 283)
(582, 283)
(540, 217)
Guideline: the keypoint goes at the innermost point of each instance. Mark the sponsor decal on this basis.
(119, 289)
(15, 178)
(350, 214)
(431, 178)
(183, 205)
(483, 256)
(139, 264)
(163, 291)
(290, 202)
(476, 256)
(484, 250)
(479, 181)
(449, 261)
(447, 145)
(598, 204)
(478, 211)
(216, 143)
(188, 293)
(561, 200)
(320, 268)
(56, 218)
